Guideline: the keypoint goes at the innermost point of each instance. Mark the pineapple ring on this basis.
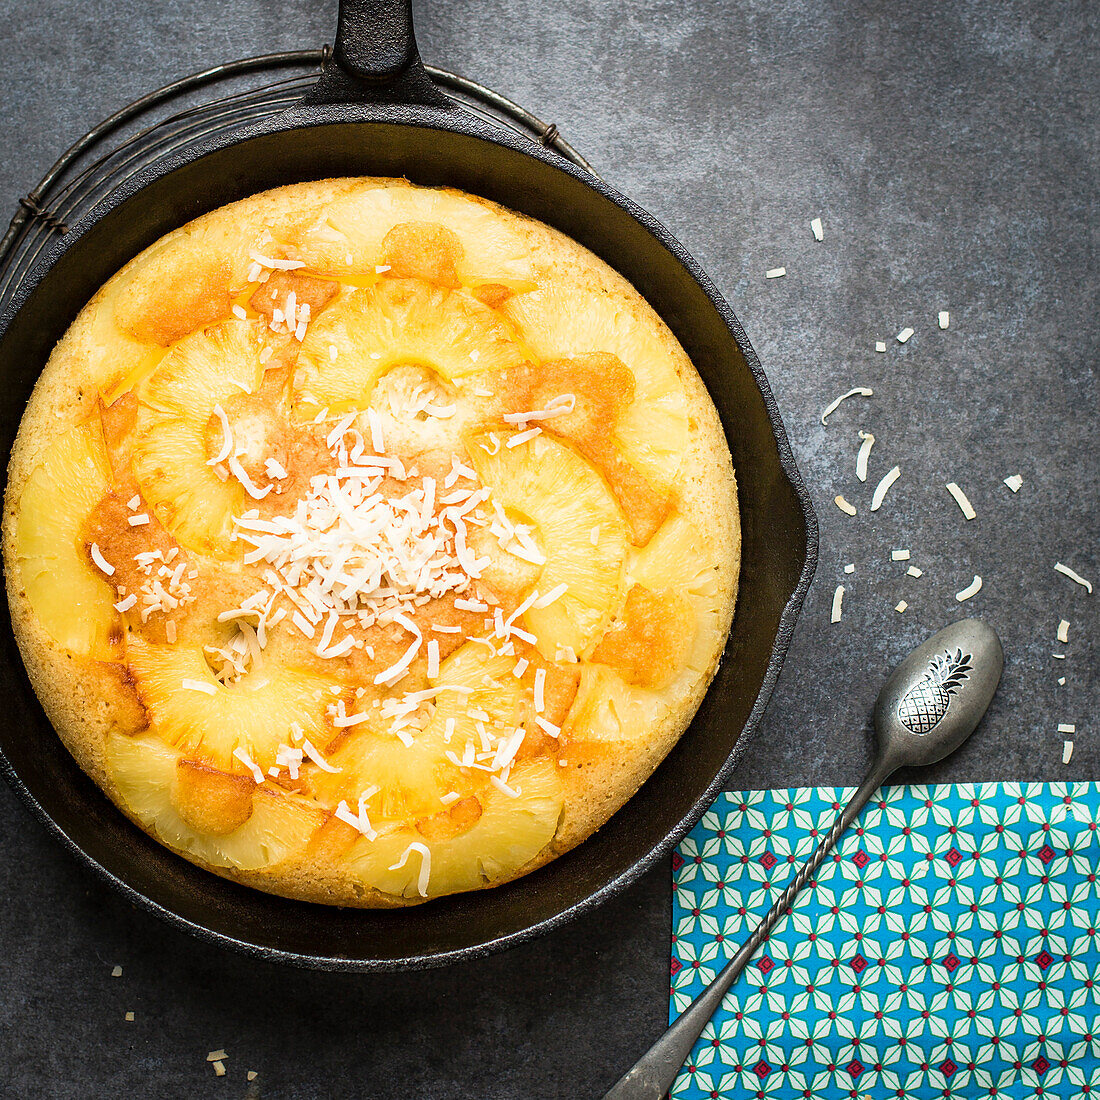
(170, 454)
(507, 836)
(255, 714)
(581, 534)
(677, 552)
(72, 601)
(346, 237)
(414, 778)
(394, 321)
(607, 707)
(653, 430)
(144, 772)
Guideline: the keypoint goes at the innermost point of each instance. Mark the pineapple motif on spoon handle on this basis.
(930, 705)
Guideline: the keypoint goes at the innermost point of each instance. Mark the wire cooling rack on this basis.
(169, 119)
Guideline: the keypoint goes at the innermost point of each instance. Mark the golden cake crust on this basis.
(414, 294)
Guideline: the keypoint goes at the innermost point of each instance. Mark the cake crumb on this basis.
(129, 1017)
(116, 972)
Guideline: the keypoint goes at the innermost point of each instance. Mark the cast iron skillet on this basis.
(376, 112)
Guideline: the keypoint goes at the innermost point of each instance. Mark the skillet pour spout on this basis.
(375, 112)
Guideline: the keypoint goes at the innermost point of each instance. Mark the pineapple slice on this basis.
(609, 709)
(571, 314)
(347, 237)
(72, 601)
(146, 773)
(676, 558)
(413, 778)
(507, 835)
(398, 321)
(170, 455)
(580, 531)
(253, 714)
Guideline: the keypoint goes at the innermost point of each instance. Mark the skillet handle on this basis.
(376, 58)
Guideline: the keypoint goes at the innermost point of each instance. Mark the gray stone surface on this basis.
(950, 151)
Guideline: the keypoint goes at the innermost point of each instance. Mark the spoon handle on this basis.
(651, 1077)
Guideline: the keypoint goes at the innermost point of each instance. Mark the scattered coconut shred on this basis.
(868, 441)
(1073, 576)
(961, 500)
(1063, 631)
(859, 391)
(883, 488)
(972, 589)
(844, 506)
(838, 600)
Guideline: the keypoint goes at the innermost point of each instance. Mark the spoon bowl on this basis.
(936, 697)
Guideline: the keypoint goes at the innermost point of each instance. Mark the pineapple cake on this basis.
(367, 543)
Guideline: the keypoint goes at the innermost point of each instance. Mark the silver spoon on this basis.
(927, 709)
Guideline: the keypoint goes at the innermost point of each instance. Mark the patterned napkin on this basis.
(948, 949)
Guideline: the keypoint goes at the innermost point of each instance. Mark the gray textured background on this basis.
(951, 153)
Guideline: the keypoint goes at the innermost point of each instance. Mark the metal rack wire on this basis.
(94, 165)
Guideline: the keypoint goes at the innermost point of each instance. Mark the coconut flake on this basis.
(1067, 727)
(817, 229)
(850, 567)
(523, 437)
(1059, 568)
(425, 865)
(864, 454)
(944, 318)
(880, 345)
(1063, 631)
(775, 273)
(901, 606)
(124, 605)
(227, 439)
(433, 659)
(883, 488)
(1067, 751)
(961, 500)
(838, 599)
(1014, 482)
(844, 506)
(904, 335)
(317, 758)
(913, 571)
(972, 589)
(105, 566)
(241, 754)
(199, 685)
(239, 472)
(899, 555)
(859, 391)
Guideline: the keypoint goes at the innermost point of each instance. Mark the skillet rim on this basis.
(454, 119)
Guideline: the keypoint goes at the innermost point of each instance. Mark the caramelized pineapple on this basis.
(72, 600)
(254, 714)
(506, 835)
(677, 558)
(147, 774)
(610, 709)
(392, 322)
(171, 452)
(571, 314)
(348, 236)
(580, 531)
(413, 778)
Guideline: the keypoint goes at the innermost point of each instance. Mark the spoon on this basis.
(926, 710)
